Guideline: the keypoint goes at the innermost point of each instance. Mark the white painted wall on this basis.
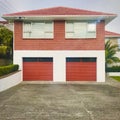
(113, 73)
(59, 60)
(10, 81)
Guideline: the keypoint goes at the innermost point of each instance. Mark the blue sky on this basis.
(110, 6)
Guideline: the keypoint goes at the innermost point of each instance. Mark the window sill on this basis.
(80, 38)
(38, 38)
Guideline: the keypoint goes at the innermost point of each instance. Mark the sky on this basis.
(109, 6)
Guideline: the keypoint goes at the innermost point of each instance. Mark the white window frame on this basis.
(87, 33)
(46, 34)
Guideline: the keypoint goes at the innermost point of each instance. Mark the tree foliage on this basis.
(110, 51)
(6, 41)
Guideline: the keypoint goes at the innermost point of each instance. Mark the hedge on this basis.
(113, 69)
(3, 51)
(8, 69)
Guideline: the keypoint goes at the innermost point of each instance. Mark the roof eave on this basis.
(107, 18)
(111, 36)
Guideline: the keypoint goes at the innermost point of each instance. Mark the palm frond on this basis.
(110, 51)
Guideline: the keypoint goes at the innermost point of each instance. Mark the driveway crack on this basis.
(87, 111)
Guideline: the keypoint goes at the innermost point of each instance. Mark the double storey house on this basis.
(60, 44)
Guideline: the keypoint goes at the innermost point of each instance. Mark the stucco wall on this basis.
(59, 61)
(10, 81)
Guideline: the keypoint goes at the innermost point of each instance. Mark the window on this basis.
(77, 29)
(38, 59)
(43, 29)
(80, 59)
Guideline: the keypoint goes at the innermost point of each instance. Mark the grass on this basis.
(116, 78)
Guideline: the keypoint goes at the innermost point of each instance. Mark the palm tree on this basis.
(110, 51)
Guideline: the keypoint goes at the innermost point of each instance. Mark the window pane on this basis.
(48, 27)
(38, 30)
(73, 59)
(69, 27)
(78, 29)
(80, 59)
(26, 29)
(91, 27)
(38, 59)
(88, 59)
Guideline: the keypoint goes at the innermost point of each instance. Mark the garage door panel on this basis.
(81, 70)
(37, 70)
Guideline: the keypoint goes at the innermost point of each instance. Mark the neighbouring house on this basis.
(3, 23)
(114, 38)
(60, 44)
(6, 24)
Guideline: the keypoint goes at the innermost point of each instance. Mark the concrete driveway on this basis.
(60, 102)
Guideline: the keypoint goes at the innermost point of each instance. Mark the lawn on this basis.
(116, 78)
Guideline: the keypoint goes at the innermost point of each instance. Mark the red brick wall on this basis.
(58, 42)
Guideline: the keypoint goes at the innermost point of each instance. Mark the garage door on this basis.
(37, 69)
(81, 69)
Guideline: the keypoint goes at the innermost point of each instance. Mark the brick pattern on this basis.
(59, 42)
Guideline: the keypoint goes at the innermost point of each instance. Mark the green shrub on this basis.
(113, 69)
(8, 69)
(3, 51)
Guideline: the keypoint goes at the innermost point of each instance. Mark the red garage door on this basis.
(37, 69)
(81, 69)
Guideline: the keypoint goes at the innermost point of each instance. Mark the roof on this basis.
(58, 11)
(3, 22)
(109, 34)
(64, 13)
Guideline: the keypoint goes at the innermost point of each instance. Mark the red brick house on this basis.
(60, 44)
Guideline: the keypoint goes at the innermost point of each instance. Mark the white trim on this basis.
(59, 60)
(106, 17)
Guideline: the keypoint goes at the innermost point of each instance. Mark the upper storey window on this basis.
(42, 29)
(78, 29)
